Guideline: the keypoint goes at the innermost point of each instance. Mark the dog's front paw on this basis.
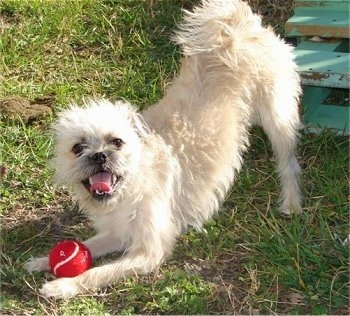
(37, 264)
(61, 288)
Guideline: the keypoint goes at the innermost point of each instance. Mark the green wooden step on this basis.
(322, 68)
(319, 18)
(318, 115)
(322, 55)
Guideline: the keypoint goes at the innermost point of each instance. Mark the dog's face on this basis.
(97, 151)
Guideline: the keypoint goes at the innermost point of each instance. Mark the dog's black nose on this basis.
(100, 157)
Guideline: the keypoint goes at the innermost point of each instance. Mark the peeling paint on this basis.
(315, 76)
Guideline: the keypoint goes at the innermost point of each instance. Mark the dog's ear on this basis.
(138, 123)
(135, 118)
(141, 127)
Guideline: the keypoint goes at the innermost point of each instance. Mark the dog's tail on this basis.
(214, 25)
(223, 28)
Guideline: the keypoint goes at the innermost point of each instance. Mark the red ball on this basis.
(69, 258)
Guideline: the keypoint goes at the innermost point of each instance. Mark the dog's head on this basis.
(98, 148)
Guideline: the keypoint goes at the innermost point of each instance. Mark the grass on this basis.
(246, 260)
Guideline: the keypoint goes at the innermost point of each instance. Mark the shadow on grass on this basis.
(31, 233)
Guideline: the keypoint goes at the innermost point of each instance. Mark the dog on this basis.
(144, 178)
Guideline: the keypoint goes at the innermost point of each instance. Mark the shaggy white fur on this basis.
(144, 178)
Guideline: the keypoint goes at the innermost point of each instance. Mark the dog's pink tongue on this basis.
(101, 182)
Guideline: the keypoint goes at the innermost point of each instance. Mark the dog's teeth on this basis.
(101, 192)
(90, 181)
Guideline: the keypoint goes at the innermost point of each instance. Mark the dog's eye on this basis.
(78, 149)
(117, 142)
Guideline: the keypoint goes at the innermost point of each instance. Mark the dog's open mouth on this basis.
(102, 184)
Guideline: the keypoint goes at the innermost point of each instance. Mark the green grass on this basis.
(247, 259)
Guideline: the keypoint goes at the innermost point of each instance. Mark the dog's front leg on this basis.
(135, 262)
(102, 244)
(37, 264)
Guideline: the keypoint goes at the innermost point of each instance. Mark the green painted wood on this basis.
(319, 18)
(330, 117)
(312, 99)
(322, 64)
(318, 116)
(308, 3)
(322, 68)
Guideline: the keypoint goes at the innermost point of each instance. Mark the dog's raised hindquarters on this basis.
(144, 178)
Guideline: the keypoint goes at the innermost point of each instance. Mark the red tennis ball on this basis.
(69, 258)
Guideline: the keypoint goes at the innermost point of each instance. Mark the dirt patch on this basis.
(5, 23)
(15, 107)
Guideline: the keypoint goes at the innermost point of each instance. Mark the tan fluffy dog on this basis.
(144, 178)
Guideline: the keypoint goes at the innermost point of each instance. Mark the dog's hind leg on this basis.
(281, 124)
